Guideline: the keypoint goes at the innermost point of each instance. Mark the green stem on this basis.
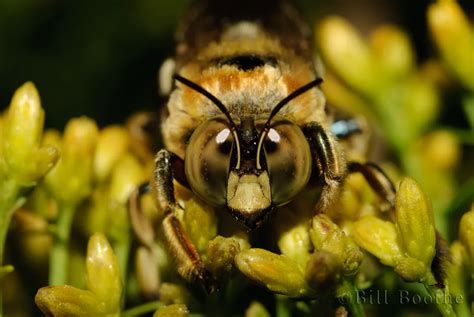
(59, 257)
(442, 300)
(10, 201)
(142, 309)
(355, 306)
(122, 251)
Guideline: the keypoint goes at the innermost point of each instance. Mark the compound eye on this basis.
(288, 160)
(207, 160)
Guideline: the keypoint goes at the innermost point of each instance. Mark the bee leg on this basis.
(378, 181)
(189, 264)
(328, 161)
(141, 226)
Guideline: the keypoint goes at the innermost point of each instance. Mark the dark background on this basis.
(100, 58)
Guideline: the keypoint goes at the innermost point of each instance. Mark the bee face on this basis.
(244, 174)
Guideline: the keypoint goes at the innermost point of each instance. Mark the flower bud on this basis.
(68, 301)
(71, 179)
(321, 228)
(411, 269)
(393, 51)
(327, 236)
(441, 150)
(103, 273)
(453, 35)
(26, 161)
(256, 309)
(323, 270)
(415, 222)
(175, 310)
(112, 144)
(126, 176)
(174, 294)
(466, 236)
(200, 223)
(420, 104)
(379, 238)
(276, 272)
(347, 54)
(295, 243)
(220, 256)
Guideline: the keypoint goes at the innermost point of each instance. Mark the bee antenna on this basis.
(219, 105)
(318, 81)
(209, 96)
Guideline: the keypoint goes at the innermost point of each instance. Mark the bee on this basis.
(246, 127)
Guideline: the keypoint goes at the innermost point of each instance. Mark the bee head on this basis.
(250, 167)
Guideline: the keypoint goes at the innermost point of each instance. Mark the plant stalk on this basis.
(59, 258)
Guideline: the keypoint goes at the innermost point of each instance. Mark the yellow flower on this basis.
(103, 280)
(415, 222)
(278, 273)
(379, 238)
(26, 161)
(348, 54)
(71, 179)
(454, 37)
(112, 144)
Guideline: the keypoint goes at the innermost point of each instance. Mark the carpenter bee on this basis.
(246, 127)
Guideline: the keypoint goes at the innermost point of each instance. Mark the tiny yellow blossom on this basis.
(393, 51)
(379, 238)
(26, 161)
(103, 298)
(71, 179)
(200, 223)
(112, 144)
(278, 273)
(415, 222)
(256, 309)
(454, 37)
(339, 43)
(103, 272)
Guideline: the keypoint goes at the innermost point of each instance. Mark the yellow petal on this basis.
(452, 33)
(415, 222)
(68, 301)
(276, 272)
(393, 51)
(103, 273)
(347, 54)
(379, 238)
(112, 143)
(26, 162)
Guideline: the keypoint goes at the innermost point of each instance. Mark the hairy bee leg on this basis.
(343, 129)
(141, 226)
(328, 161)
(377, 179)
(189, 264)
